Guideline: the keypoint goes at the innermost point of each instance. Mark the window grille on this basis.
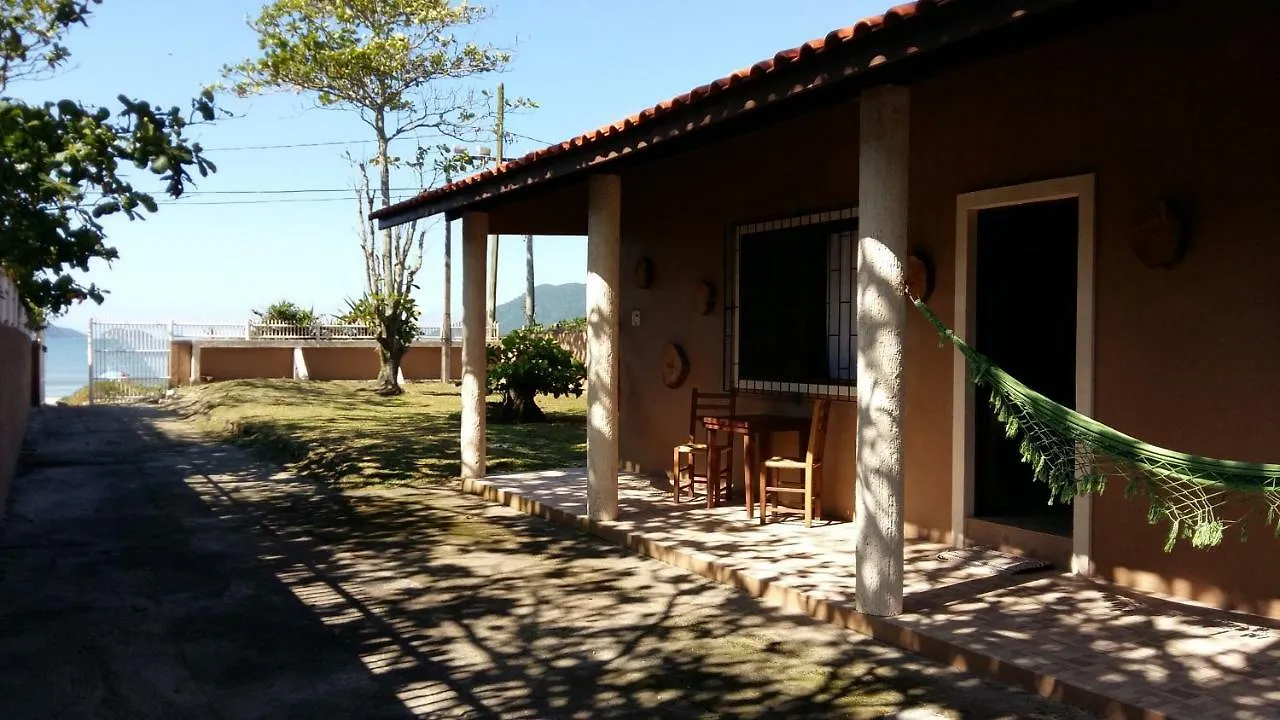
(791, 313)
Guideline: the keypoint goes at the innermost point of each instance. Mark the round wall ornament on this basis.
(1159, 240)
(704, 297)
(919, 274)
(643, 273)
(675, 366)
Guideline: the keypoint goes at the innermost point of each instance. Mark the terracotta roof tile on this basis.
(834, 39)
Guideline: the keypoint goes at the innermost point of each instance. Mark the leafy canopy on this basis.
(529, 363)
(388, 60)
(64, 166)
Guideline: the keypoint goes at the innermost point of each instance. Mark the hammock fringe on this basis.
(1075, 456)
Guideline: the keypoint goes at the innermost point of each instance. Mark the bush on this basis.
(529, 363)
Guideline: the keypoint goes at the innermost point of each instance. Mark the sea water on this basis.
(66, 365)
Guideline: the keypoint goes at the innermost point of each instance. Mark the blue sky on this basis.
(585, 63)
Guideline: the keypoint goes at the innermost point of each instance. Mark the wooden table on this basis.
(756, 431)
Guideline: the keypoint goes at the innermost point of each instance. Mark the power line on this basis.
(330, 143)
(266, 202)
(288, 191)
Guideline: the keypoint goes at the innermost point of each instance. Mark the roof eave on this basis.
(882, 56)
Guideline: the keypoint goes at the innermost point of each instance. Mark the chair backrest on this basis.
(705, 404)
(818, 431)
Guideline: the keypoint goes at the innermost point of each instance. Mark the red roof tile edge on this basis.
(782, 59)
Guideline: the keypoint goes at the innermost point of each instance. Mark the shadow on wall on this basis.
(15, 400)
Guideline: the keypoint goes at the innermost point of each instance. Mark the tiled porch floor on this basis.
(1063, 636)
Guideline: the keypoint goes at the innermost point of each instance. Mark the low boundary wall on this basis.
(218, 360)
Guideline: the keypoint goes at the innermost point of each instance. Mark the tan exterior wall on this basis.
(1172, 104)
(239, 363)
(15, 401)
(341, 363)
(423, 362)
(1183, 355)
(180, 363)
(670, 217)
(323, 363)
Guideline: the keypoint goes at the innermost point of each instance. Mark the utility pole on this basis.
(494, 239)
(446, 332)
(529, 317)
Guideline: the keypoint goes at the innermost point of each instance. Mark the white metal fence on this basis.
(12, 311)
(283, 331)
(127, 361)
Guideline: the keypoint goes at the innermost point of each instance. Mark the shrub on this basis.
(287, 313)
(526, 364)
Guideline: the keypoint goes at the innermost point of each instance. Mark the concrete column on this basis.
(299, 365)
(604, 240)
(882, 250)
(195, 363)
(475, 232)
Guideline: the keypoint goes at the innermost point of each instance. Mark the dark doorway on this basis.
(1025, 319)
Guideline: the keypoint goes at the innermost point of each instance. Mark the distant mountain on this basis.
(552, 303)
(54, 331)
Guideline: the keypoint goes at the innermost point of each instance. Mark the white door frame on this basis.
(1080, 187)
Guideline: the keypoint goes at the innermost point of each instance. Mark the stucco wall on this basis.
(676, 213)
(1174, 103)
(243, 363)
(15, 401)
(323, 363)
(1184, 356)
(423, 362)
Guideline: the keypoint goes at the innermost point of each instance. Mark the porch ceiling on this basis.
(892, 47)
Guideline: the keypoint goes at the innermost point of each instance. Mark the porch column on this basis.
(604, 237)
(882, 249)
(195, 363)
(475, 238)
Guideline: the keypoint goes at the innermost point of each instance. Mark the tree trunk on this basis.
(390, 352)
(520, 408)
(446, 332)
(530, 317)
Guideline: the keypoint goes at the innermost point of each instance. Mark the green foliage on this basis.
(389, 60)
(572, 325)
(374, 310)
(529, 363)
(63, 166)
(285, 312)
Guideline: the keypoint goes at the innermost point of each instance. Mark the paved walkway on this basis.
(1117, 653)
(145, 573)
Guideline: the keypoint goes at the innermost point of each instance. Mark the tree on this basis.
(398, 65)
(63, 166)
(529, 363)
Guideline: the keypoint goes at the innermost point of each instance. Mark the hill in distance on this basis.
(552, 303)
(54, 331)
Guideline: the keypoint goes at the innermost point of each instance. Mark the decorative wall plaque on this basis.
(704, 297)
(643, 273)
(1159, 240)
(675, 366)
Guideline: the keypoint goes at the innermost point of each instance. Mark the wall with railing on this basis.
(314, 332)
(17, 351)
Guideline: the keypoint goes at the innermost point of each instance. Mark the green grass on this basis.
(113, 390)
(343, 432)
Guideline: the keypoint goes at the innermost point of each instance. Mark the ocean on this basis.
(66, 365)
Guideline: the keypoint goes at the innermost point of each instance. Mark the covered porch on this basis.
(1113, 652)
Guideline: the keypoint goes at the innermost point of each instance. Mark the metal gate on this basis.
(127, 361)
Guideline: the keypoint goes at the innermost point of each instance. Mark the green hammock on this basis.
(1076, 455)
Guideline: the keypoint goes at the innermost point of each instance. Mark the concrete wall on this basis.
(15, 400)
(1173, 103)
(236, 363)
(323, 362)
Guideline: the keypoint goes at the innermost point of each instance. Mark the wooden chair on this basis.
(810, 465)
(718, 474)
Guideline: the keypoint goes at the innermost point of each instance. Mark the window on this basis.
(790, 323)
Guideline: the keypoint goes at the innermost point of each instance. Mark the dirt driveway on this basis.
(146, 572)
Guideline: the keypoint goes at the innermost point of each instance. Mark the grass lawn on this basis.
(343, 432)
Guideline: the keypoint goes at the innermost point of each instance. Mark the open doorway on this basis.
(1025, 321)
(1025, 296)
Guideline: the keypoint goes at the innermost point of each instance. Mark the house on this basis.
(1092, 183)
